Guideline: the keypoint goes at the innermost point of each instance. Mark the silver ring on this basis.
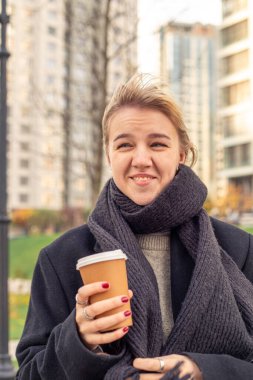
(86, 315)
(83, 303)
(162, 364)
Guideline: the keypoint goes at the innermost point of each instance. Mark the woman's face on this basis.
(143, 152)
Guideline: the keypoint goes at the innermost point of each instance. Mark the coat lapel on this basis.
(182, 266)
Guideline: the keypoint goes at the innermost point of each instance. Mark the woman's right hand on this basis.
(90, 329)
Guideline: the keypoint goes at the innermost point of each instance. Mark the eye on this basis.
(158, 144)
(123, 146)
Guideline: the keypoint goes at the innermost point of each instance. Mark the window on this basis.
(25, 128)
(237, 124)
(235, 62)
(236, 93)
(23, 180)
(50, 79)
(230, 157)
(238, 155)
(23, 198)
(245, 154)
(51, 46)
(51, 30)
(24, 146)
(24, 163)
(231, 6)
(235, 33)
(51, 63)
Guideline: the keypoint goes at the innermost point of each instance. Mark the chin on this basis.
(142, 201)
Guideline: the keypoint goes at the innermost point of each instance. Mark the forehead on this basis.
(134, 119)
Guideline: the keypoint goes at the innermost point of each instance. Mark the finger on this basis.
(186, 365)
(82, 302)
(147, 364)
(130, 293)
(100, 307)
(109, 337)
(189, 368)
(104, 323)
(154, 364)
(90, 289)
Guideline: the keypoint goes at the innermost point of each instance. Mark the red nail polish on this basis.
(127, 313)
(105, 285)
(125, 329)
(124, 299)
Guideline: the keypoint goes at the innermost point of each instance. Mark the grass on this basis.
(248, 229)
(23, 256)
(24, 253)
(18, 310)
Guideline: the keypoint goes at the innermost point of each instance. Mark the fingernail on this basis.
(124, 299)
(125, 329)
(127, 313)
(105, 285)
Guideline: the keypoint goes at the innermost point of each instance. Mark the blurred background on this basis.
(66, 58)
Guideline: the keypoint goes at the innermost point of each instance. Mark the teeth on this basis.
(141, 178)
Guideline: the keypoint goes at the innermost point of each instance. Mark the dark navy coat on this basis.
(50, 347)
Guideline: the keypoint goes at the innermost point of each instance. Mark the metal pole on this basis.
(7, 371)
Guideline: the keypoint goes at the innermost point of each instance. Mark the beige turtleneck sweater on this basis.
(156, 248)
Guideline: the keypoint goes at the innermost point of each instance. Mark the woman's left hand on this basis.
(151, 365)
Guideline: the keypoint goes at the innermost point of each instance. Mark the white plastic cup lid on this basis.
(98, 257)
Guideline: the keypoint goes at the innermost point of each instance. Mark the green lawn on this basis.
(24, 252)
(248, 229)
(18, 310)
(23, 255)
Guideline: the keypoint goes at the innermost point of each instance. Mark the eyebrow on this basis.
(122, 136)
(151, 135)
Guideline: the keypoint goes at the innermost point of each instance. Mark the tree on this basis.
(234, 201)
(101, 34)
(21, 218)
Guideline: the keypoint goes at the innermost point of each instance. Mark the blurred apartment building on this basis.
(236, 93)
(60, 60)
(188, 65)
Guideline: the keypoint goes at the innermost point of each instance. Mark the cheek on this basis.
(115, 162)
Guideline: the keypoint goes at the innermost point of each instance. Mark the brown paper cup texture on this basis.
(107, 266)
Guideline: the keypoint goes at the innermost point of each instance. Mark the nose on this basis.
(141, 158)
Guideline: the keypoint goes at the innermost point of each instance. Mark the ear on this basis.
(182, 157)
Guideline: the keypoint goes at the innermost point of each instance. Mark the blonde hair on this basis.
(143, 91)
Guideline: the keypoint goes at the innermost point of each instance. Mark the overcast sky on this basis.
(153, 13)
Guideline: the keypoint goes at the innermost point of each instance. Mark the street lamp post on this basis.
(6, 369)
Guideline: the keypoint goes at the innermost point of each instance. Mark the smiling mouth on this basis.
(142, 180)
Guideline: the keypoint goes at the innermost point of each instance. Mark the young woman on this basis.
(190, 276)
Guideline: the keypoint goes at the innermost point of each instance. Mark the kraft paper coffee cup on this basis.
(107, 266)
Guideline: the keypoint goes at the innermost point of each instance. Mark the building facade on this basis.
(236, 94)
(35, 103)
(65, 59)
(188, 66)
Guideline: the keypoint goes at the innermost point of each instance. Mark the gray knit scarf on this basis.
(217, 313)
